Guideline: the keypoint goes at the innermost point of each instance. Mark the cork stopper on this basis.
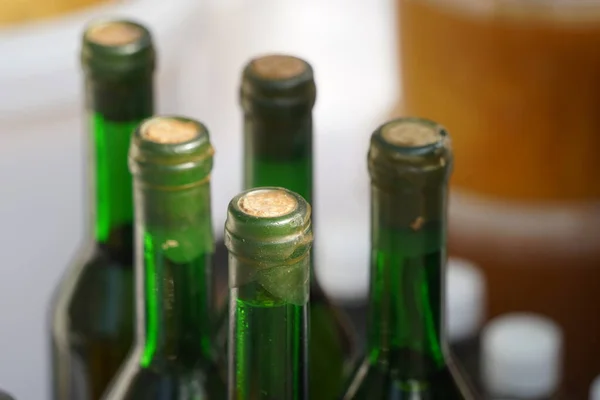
(114, 33)
(169, 130)
(268, 203)
(410, 134)
(278, 67)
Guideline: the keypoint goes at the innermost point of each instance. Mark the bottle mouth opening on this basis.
(278, 67)
(110, 38)
(171, 151)
(168, 130)
(268, 217)
(410, 155)
(412, 135)
(175, 138)
(114, 33)
(278, 80)
(267, 203)
(115, 48)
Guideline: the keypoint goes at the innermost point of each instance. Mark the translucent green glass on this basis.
(405, 358)
(175, 358)
(295, 175)
(270, 341)
(269, 269)
(114, 204)
(407, 355)
(174, 355)
(176, 307)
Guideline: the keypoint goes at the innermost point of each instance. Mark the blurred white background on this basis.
(202, 48)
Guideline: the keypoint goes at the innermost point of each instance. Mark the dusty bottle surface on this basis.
(174, 356)
(410, 161)
(269, 236)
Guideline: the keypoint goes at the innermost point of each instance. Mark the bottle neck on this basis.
(408, 255)
(269, 333)
(278, 152)
(111, 127)
(174, 239)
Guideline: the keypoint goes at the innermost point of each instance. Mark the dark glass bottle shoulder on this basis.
(92, 325)
(99, 286)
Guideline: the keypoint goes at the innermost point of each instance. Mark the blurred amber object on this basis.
(517, 84)
(18, 11)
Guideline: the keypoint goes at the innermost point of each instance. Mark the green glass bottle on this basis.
(278, 93)
(173, 358)
(268, 234)
(410, 162)
(92, 314)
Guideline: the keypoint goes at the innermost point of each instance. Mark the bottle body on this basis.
(407, 353)
(174, 354)
(93, 309)
(94, 332)
(409, 367)
(268, 235)
(180, 367)
(264, 328)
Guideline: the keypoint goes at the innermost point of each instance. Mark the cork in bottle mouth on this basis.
(267, 203)
(169, 131)
(115, 33)
(277, 67)
(411, 134)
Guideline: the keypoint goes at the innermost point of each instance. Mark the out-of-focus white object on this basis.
(465, 299)
(42, 200)
(351, 45)
(522, 356)
(595, 389)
